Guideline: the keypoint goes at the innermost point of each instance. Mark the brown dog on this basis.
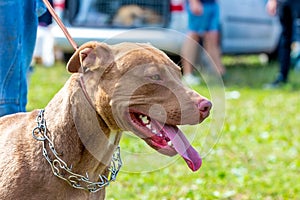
(126, 86)
(134, 15)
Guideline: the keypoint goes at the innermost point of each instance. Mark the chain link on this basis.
(61, 169)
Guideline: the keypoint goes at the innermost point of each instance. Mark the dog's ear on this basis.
(90, 55)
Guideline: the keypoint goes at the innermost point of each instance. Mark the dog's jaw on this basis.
(166, 139)
(148, 130)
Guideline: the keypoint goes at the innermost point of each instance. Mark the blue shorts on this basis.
(208, 21)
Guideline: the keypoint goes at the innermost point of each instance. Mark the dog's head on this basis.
(139, 89)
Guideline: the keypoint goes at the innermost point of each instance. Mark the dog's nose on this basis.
(204, 107)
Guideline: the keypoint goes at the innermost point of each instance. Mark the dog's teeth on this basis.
(154, 131)
(144, 119)
(149, 126)
(170, 143)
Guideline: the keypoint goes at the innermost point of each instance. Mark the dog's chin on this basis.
(166, 139)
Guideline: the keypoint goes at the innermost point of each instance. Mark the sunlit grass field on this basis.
(256, 155)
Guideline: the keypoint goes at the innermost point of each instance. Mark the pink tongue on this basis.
(183, 147)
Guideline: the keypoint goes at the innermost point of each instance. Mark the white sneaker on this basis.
(191, 80)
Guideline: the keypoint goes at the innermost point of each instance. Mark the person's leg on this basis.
(189, 52)
(17, 36)
(211, 36)
(286, 20)
(48, 57)
(211, 45)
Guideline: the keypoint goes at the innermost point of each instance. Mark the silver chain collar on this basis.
(61, 169)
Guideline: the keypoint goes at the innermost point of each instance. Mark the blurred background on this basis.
(245, 25)
(256, 155)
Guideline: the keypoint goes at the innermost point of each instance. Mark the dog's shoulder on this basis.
(15, 122)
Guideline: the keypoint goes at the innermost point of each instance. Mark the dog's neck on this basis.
(78, 132)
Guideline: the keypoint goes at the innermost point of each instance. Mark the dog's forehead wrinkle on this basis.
(136, 53)
(122, 49)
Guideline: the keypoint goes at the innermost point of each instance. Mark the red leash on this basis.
(60, 24)
(72, 42)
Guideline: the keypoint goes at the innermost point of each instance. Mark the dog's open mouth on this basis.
(166, 139)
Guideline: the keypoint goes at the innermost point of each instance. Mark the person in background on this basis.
(44, 47)
(18, 26)
(203, 23)
(286, 10)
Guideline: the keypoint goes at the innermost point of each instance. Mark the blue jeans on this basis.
(287, 21)
(287, 12)
(18, 26)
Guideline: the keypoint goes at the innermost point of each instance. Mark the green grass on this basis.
(257, 154)
(44, 83)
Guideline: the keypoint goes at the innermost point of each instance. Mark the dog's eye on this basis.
(155, 77)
